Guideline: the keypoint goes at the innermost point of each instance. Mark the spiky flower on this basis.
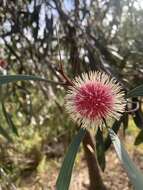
(95, 97)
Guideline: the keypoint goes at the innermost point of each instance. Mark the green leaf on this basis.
(64, 177)
(133, 172)
(115, 128)
(4, 133)
(138, 118)
(139, 138)
(9, 120)
(125, 121)
(138, 91)
(100, 149)
(4, 79)
(137, 115)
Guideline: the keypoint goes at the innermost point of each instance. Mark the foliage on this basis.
(36, 36)
(134, 174)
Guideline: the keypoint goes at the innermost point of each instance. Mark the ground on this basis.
(114, 176)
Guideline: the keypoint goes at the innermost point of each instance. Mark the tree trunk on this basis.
(96, 182)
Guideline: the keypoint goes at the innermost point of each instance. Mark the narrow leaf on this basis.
(138, 91)
(100, 149)
(137, 115)
(115, 128)
(133, 172)
(138, 119)
(139, 138)
(4, 79)
(64, 177)
(125, 122)
(9, 120)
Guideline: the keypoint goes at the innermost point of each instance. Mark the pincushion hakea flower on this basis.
(94, 97)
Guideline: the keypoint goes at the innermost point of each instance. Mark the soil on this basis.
(114, 176)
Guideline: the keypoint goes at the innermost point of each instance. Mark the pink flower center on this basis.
(94, 100)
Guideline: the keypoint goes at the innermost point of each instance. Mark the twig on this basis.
(61, 70)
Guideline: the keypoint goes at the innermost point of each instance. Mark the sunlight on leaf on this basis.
(133, 172)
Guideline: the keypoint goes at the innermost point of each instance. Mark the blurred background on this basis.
(83, 35)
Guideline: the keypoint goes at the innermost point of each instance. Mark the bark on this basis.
(96, 182)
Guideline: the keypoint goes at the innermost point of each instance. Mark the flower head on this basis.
(94, 97)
